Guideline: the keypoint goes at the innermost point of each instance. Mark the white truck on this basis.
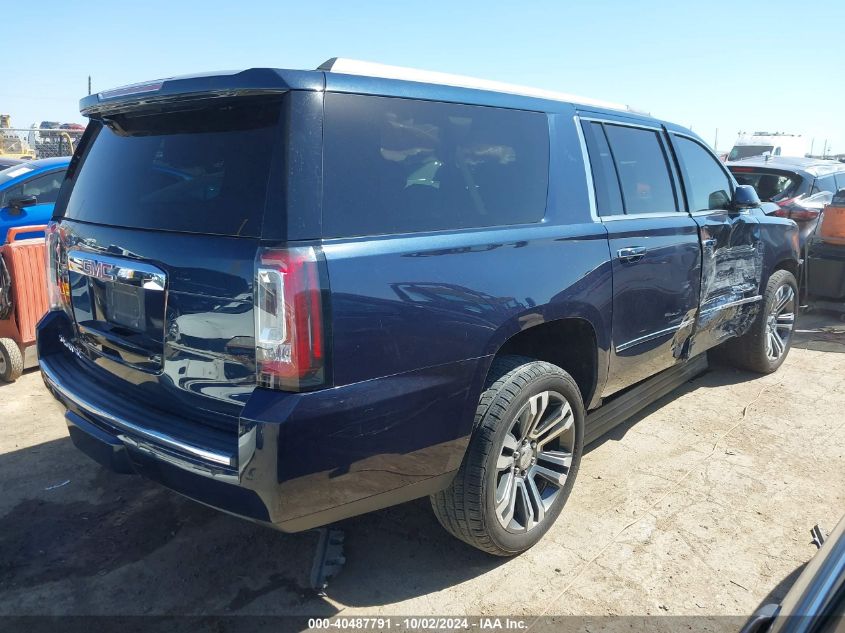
(775, 143)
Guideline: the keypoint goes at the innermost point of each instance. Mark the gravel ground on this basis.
(701, 505)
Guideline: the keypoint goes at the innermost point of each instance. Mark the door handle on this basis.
(711, 243)
(632, 253)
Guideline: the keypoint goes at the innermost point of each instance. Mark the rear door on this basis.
(732, 251)
(653, 245)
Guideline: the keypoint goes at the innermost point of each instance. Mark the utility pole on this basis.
(716, 140)
(89, 85)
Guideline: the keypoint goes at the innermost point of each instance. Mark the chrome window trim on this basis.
(163, 439)
(643, 216)
(588, 168)
(654, 128)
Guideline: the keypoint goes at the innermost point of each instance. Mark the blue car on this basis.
(28, 192)
(298, 296)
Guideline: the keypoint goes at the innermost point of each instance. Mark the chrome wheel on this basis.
(534, 461)
(779, 322)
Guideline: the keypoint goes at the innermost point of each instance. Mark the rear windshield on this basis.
(770, 186)
(197, 170)
(747, 151)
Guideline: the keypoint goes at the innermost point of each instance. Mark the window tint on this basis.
(840, 181)
(643, 172)
(825, 183)
(201, 170)
(605, 181)
(707, 185)
(399, 165)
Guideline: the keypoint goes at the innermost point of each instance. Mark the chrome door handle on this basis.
(632, 253)
(711, 243)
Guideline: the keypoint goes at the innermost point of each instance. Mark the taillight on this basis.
(290, 345)
(58, 285)
(780, 212)
(799, 213)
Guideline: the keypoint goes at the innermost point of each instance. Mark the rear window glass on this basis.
(747, 151)
(399, 165)
(202, 170)
(770, 186)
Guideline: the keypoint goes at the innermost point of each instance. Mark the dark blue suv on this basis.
(298, 296)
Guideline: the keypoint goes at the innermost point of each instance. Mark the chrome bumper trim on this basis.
(147, 439)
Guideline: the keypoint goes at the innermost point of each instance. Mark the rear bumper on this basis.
(295, 461)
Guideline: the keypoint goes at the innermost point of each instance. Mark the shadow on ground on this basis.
(75, 538)
(114, 542)
(820, 331)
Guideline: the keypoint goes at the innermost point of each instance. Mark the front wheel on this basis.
(765, 346)
(522, 459)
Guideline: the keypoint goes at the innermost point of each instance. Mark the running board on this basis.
(622, 407)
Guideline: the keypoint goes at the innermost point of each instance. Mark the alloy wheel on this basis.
(779, 322)
(534, 461)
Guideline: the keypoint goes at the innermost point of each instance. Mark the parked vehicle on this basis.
(825, 267)
(29, 191)
(378, 284)
(23, 299)
(801, 187)
(816, 601)
(771, 143)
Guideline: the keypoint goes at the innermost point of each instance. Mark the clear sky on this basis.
(741, 65)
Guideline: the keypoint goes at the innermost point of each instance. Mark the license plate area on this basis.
(119, 307)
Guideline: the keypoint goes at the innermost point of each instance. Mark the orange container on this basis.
(25, 262)
(832, 228)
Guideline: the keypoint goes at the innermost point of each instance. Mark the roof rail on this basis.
(373, 69)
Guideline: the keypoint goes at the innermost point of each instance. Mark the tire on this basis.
(752, 350)
(11, 360)
(528, 484)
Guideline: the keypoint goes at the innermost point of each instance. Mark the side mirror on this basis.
(16, 204)
(745, 197)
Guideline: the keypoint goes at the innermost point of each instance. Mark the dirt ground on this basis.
(701, 505)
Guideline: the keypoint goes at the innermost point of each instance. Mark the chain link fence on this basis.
(31, 143)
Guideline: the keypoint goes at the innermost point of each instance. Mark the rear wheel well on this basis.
(568, 343)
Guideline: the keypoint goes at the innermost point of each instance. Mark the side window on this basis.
(825, 184)
(45, 188)
(840, 181)
(396, 165)
(707, 185)
(10, 194)
(642, 168)
(605, 181)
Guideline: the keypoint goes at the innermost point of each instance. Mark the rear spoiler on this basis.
(255, 81)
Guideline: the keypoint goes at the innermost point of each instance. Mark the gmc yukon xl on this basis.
(298, 296)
